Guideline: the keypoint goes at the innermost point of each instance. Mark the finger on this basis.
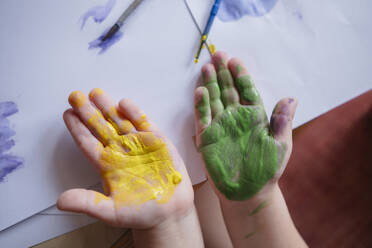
(92, 118)
(88, 202)
(247, 90)
(210, 82)
(89, 145)
(203, 116)
(281, 119)
(108, 108)
(136, 116)
(229, 94)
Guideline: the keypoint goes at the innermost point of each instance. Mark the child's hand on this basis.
(242, 151)
(144, 178)
(245, 155)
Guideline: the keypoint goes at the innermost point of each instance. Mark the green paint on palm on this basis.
(239, 152)
(245, 85)
(203, 108)
(228, 93)
(214, 93)
(248, 91)
(239, 69)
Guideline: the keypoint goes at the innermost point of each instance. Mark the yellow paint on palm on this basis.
(142, 123)
(136, 167)
(100, 197)
(114, 117)
(126, 126)
(105, 131)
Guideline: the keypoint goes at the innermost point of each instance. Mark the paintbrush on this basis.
(205, 34)
(121, 20)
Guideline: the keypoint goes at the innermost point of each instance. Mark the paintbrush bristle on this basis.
(111, 32)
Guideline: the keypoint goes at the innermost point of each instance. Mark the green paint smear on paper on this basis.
(239, 152)
(258, 208)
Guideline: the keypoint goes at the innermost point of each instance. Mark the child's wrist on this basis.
(175, 231)
(261, 198)
(261, 221)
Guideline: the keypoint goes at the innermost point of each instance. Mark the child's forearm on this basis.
(262, 221)
(183, 231)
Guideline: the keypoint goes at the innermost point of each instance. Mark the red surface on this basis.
(328, 181)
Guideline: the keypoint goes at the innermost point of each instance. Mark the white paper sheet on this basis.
(44, 57)
(40, 228)
(43, 226)
(317, 51)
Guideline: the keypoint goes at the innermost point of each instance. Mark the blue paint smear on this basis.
(298, 14)
(104, 45)
(233, 10)
(8, 162)
(98, 13)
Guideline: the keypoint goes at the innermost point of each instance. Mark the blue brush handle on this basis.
(213, 14)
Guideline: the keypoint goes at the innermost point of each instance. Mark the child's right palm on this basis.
(242, 152)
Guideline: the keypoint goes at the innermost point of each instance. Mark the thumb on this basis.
(281, 119)
(88, 202)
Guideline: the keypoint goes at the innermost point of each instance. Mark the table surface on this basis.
(326, 185)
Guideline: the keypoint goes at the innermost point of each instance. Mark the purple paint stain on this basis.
(278, 123)
(98, 13)
(8, 162)
(298, 14)
(232, 10)
(104, 45)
